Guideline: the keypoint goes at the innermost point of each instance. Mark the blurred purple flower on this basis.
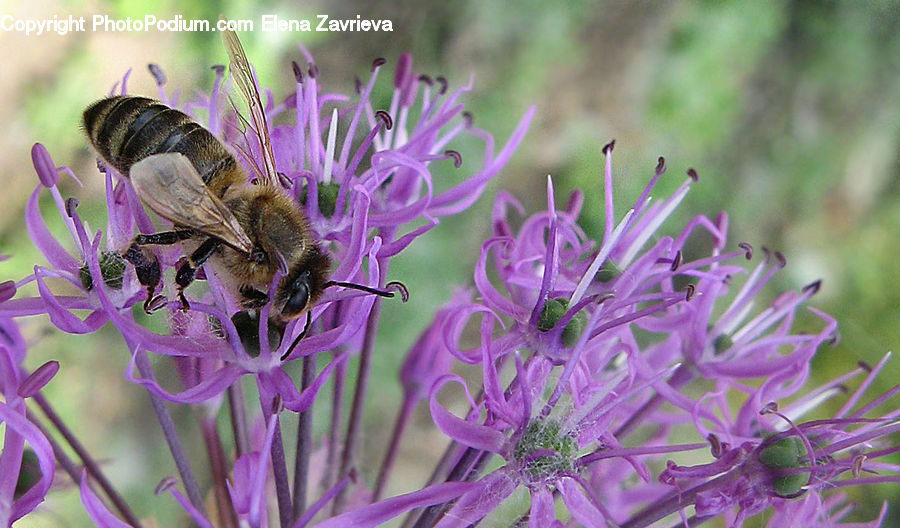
(25, 473)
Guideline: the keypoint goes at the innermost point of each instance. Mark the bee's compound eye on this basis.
(299, 296)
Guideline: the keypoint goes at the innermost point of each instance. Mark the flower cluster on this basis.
(611, 350)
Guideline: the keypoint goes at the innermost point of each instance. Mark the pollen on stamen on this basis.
(165, 484)
(660, 166)
(748, 249)
(378, 63)
(715, 445)
(218, 68)
(157, 74)
(676, 261)
(298, 73)
(468, 118)
(769, 408)
(444, 84)
(385, 118)
(457, 157)
(425, 78)
(313, 71)
(813, 287)
(693, 174)
(609, 147)
(689, 292)
(71, 205)
(782, 261)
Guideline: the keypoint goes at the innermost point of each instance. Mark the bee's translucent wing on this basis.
(243, 78)
(170, 185)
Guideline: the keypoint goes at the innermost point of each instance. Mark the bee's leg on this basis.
(253, 298)
(165, 238)
(146, 265)
(188, 270)
(147, 269)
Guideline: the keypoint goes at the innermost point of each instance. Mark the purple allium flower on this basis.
(599, 344)
(356, 197)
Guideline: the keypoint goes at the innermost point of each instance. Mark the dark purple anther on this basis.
(457, 157)
(385, 118)
(676, 261)
(782, 261)
(609, 147)
(157, 74)
(443, 82)
(813, 287)
(71, 205)
(693, 174)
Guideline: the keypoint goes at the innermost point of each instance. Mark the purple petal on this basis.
(213, 385)
(476, 503)
(196, 515)
(280, 383)
(381, 512)
(579, 506)
(58, 258)
(96, 509)
(463, 431)
(61, 317)
(543, 510)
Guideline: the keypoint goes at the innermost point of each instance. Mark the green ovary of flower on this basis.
(787, 453)
(112, 268)
(554, 310)
(328, 195)
(545, 436)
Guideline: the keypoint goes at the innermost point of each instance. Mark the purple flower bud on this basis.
(44, 166)
(38, 379)
(7, 290)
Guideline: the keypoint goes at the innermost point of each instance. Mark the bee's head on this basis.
(302, 286)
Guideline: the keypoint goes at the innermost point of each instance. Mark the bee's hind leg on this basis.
(188, 270)
(146, 265)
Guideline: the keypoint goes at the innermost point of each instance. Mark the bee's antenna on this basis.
(388, 291)
(299, 337)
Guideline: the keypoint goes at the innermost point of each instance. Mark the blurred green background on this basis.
(788, 110)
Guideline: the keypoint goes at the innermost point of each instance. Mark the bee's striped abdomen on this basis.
(127, 129)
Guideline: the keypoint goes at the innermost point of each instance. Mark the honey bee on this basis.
(250, 231)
